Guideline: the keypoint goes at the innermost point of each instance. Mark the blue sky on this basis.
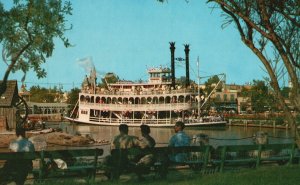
(127, 36)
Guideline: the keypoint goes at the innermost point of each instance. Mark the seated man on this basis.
(120, 160)
(123, 140)
(17, 170)
(145, 160)
(177, 140)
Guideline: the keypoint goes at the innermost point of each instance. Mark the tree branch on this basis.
(245, 18)
(15, 57)
(236, 20)
(274, 38)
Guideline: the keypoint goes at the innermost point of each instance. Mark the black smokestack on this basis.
(187, 65)
(172, 48)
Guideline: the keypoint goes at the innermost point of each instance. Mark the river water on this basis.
(217, 136)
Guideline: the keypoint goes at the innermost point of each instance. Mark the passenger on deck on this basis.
(179, 139)
(17, 170)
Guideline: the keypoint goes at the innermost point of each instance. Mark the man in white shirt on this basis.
(17, 170)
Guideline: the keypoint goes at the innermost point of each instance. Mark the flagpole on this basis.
(199, 100)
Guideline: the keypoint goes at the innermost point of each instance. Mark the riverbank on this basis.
(49, 138)
(271, 175)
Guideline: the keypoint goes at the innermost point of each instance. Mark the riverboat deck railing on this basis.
(153, 120)
(144, 92)
(132, 121)
(270, 123)
(138, 107)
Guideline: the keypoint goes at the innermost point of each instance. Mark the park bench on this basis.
(197, 158)
(277, 153)
(252, 155)
(80, 162)
(15, 163)
(296, 155)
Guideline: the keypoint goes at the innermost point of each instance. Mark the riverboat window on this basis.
(181, 99)
(87, 99)
(120, 100)
(108, 100)
(188, 98)
(155, 100)
(84, 112)
(131, 100)
(161, 100)
(137, 101)
(114, 100)
(168, 99)
(149, 100)
(143, 100)
(82, 98)
(103, 100)
(174, 99)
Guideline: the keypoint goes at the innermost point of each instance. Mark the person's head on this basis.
(179, 126)
(123, 128)
(145, 129)
(20, 131)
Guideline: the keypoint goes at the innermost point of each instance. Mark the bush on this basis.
(279, 120)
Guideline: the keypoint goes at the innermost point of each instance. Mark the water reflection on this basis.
(226, 136)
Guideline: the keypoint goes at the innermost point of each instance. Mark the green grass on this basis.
(275, 175)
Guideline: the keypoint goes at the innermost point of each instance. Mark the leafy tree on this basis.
(42, 95)
(27, 34)
(261, 99)
(73, 97)
(111, 77)
(181, 81)
(285, 91)
(270, 25)
(211, 83)
(108, 79)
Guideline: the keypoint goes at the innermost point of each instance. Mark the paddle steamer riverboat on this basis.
(159, 102)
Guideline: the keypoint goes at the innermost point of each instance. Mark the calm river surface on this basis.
(218, 136)
(230, 135)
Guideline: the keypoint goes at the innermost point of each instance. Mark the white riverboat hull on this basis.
(220, 123)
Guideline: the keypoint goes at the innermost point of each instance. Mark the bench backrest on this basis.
(223, 150)
(278, 151)
(168, 150)
(19, 155)
(72, 153)
(236, 154)
(51, 154)
(160, 151)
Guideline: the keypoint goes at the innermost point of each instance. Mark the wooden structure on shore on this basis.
(257, 123)
(7, 105)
